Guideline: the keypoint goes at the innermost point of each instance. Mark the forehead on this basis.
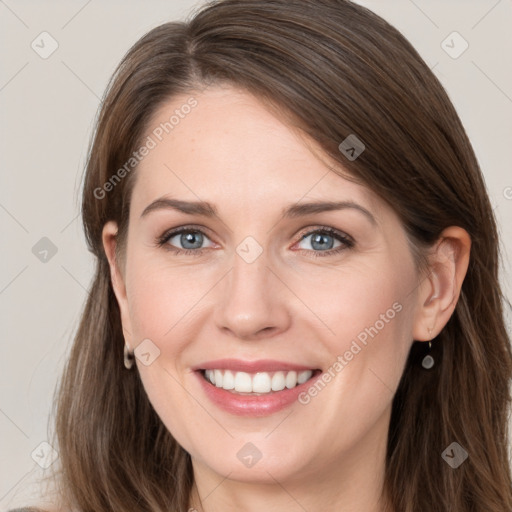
(225, 144)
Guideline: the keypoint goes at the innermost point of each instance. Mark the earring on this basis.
(428, 360)
(128, 358)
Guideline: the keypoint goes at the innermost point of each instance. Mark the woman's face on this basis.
(264, 291)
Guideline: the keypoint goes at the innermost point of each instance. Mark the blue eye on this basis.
(190, 240)
(320, 242)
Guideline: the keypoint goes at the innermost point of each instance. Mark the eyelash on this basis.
(347, 241)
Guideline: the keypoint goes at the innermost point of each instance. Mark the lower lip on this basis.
(253, 405)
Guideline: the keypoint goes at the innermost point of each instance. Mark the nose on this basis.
(252, 301)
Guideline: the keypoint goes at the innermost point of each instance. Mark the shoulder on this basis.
(46, 507)
(27, 509)
(31, 509)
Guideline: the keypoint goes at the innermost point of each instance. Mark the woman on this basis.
(297, 264)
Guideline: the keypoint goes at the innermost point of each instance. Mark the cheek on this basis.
(161, 306)
(161, 297)
(368, 313)
(353, 302)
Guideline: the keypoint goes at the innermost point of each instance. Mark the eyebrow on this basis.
(191, 207)
(298, 210)
(206, 209)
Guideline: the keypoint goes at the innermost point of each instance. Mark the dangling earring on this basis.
(428, 360)
(128, 358)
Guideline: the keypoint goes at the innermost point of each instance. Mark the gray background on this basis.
(47, 112)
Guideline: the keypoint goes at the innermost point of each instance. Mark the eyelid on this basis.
(325, 229)
(187, 227)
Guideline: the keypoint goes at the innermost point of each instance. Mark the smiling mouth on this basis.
(260, 383)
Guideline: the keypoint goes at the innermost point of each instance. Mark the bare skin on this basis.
(292, 303)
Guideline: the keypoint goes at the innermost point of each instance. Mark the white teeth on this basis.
(278, 382)
(218, 378)
(304, 376)
(291, 379)
(243, 382)
(261, 382)
(229, 380)
(210, 376)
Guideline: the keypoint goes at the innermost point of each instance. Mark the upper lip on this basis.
(261, 365)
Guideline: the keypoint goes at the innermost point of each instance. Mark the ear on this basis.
(109, 235)
(440, 289)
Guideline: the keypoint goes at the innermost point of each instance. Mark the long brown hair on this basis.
(333, 68)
